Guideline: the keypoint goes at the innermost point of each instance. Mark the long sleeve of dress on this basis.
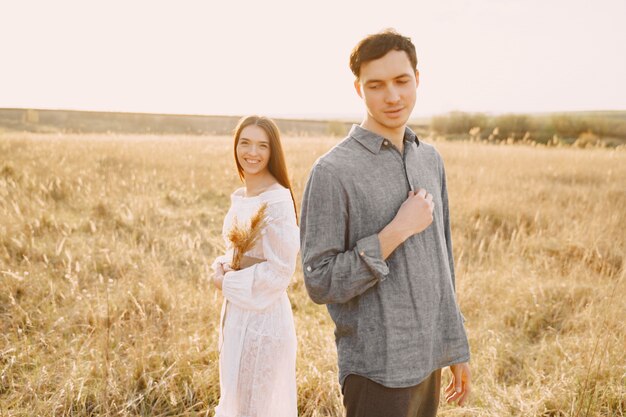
(258, 286)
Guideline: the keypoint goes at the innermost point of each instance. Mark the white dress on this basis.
(257, 334)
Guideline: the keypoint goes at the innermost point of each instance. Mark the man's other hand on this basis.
(460, 384)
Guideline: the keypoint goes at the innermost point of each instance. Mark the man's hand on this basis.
(460, 385)
(414, 215)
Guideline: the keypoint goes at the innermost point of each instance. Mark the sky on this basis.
(289, 58)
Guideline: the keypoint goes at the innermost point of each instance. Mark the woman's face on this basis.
(253, 150)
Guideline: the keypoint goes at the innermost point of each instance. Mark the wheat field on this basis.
(105, 307)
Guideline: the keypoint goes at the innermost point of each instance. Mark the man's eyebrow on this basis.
(374, 80)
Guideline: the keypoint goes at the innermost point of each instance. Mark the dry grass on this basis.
(105, 308)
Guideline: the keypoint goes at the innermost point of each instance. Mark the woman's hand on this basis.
(218, 276)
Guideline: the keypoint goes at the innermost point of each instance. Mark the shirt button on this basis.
(361, 253)
(385, 143)
(308, 268)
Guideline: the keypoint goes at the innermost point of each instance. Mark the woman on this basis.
(257, 333)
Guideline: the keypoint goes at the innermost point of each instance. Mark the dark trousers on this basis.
(363, 397)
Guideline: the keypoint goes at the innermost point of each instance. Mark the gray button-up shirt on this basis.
(397, 320)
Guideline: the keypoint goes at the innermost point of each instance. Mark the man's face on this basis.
(388, 87)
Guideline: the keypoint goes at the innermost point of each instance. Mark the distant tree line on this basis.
(542, 128)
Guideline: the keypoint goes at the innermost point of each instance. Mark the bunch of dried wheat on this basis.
(243, 238)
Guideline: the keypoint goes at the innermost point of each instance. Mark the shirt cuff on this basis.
(369, 251)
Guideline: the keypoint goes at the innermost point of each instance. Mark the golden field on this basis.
(105, 307)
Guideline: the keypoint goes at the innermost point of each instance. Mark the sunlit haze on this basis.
(290, 59)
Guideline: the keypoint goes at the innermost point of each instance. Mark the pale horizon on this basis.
(287, 61)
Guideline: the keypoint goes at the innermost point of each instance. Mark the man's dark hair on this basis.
(378, 45)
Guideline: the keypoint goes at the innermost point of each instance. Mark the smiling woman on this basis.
(253, 150)
(257, 332)
(257, 141)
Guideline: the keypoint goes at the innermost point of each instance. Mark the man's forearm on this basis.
(390, 238)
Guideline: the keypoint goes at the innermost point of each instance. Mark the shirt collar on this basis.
(373, 141)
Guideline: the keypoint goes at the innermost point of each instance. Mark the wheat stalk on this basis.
(243, 238)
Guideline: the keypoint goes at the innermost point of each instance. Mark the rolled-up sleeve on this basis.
(333, 272)
(369, 250)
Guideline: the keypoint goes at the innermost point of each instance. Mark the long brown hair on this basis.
(276, 165)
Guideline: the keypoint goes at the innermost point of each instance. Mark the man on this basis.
(376, 248)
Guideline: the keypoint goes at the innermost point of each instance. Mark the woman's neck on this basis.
(256, 184)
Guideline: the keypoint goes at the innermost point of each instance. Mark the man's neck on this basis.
(395, 135)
